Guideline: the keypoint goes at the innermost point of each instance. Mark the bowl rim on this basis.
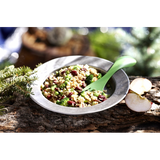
(120, 78)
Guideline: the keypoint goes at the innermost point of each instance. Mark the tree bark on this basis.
(24, 115)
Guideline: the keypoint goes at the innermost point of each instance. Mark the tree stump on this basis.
(36, 49)
(24, 115)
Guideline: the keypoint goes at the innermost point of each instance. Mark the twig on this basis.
(3, 109)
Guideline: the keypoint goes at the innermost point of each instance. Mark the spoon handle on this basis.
(122, 62)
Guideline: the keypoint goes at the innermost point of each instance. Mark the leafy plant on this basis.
(15, 81)
(143, 44)
(105, 45)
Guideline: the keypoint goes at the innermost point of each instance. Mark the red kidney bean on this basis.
(62, 97)
(78, 88)
(74, 73)
(49, 96)
(55, 81)
(46, 86)
(56, 89)
(101, 97)
(83, 69)
(71, 103)
(63, 72)
(69, 95)
(83, 85)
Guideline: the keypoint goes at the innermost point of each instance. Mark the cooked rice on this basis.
(65, 87)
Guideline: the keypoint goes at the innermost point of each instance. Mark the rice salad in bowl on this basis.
(65, 87)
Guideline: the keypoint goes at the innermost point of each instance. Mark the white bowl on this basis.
(119, 83)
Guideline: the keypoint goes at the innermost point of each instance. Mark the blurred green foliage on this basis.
(4, 64)
(105, 45)
(143, 44)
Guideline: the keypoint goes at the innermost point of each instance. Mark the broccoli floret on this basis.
(89, 79)
(63, 102)
(96, 94)
(53, 87)
(76, 67)
(106, 95)
(99, 76)
(58, 102)
(67, 78)
(83, 94)
(67, 72)
(56, 93)
(63, 85)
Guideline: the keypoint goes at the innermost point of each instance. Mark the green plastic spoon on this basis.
(122, 62)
